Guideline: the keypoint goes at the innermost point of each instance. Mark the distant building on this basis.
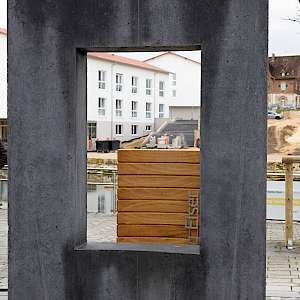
(128, 98)
(124, 97)
(3, 85)
(185, 84)
(284, 81)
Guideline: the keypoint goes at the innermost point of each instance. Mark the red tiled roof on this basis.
(3, 31)
(176, 54)
(125, 60)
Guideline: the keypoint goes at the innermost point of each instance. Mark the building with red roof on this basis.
(3, 84)
(284, 81)
(126, 97)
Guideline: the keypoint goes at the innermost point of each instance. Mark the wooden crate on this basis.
(154, 195)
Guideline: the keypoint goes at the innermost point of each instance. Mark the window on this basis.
(148, 87)
(134, 129)
(174, 79)
(91, 188)
(119, 82)
(118, 108)
(92, 130)
(119, 129)
(134, 84)
(161, 110)
(101, 106)
(134, 109)
(102, 76)
(283, 86)
(174, 93)
(161, 88)
(148, 128)
(148, 110)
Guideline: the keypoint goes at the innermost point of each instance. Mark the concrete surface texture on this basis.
(47, 44)
(283, 271)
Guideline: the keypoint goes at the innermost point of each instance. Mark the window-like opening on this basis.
(101, 106)
(134, 129)
(134, 84)
(148, 87)
(148, 109)
(161, 88)
(134, 105)
(119, 82)
(161, 110)
(102, 76)
(118, 108)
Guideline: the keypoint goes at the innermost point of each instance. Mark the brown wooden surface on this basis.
(159, 181)
(152, 206)
(155, 193)
(155, 240)
(142, 218)
(151, 231)
(159, 156)
(158, 169)
(289, 204)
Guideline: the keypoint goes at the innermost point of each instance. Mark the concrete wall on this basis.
(185, 112)
(3, 76)
(47, 184)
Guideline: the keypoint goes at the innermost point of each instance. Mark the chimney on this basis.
(273, 57)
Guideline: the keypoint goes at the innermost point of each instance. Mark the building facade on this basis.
(185, 84)
(125, 96)
(3, 85)
(284, 81)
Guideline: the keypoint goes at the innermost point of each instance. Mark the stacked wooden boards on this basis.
(153, 193)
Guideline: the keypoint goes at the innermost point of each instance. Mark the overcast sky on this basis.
(284, 35)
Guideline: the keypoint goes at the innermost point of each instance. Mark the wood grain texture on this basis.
(155, 193)
(158, 169)
(155, 240)
(159, 156)
(159, 181)
(153, 231)
(153, 206)
(142, 218)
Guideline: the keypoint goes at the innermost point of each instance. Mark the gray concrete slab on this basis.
(283, 267)
(47, 44)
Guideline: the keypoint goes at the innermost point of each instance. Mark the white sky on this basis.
(284, 37)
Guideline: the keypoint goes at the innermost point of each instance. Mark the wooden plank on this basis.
(159, 181)
(152, 206)
(155, 193)
(152, 230)
(142, 218)
(159, 156)
(152, 240)
(289, 205)
(158, 169)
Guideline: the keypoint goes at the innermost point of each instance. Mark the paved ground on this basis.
(283, 267)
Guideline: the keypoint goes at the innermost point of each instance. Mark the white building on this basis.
(125, 96)
(3, 85)
(185, 81)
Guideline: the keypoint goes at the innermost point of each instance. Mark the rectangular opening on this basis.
(143, 138)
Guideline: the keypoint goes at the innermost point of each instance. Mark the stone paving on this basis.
(283, 266)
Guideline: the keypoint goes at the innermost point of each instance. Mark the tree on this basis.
(297, 17)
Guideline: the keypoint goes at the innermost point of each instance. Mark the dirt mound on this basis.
(278, 138)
